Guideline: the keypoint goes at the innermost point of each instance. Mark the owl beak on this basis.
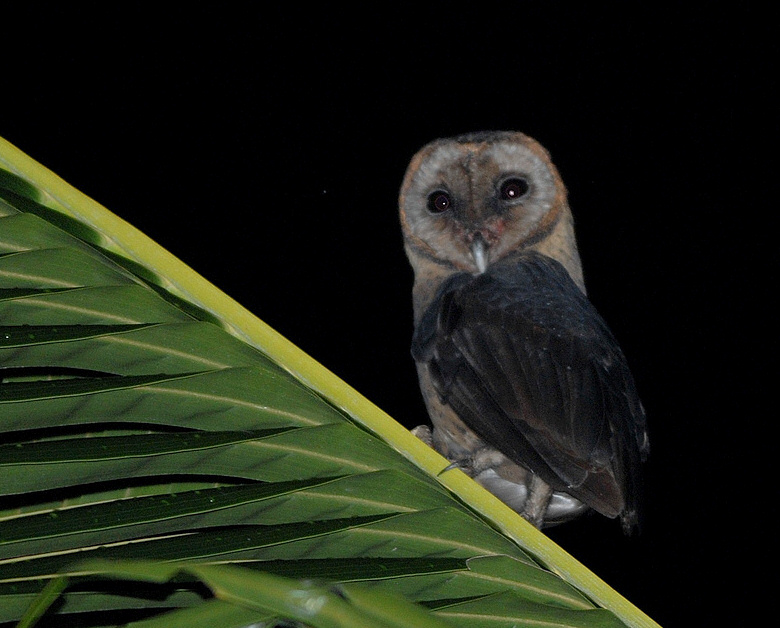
(479, 251)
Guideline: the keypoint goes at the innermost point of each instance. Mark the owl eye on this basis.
(512, 189)
(439, 202)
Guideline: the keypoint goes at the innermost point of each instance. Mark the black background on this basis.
(265, 147)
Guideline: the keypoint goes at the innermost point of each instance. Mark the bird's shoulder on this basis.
(527, 293)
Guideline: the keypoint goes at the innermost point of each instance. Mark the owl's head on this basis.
(468, 201)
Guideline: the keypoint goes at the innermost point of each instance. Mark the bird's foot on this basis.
(481, 460)
(539, 495)
(423, 432)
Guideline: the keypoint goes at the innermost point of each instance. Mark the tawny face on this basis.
(469, 201)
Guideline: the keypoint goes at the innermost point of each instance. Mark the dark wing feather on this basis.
(525, 360)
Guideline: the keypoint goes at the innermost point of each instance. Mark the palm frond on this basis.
(154, 428)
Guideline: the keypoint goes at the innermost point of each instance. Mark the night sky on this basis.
(265, 148)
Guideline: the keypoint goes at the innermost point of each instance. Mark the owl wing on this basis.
(527, 363)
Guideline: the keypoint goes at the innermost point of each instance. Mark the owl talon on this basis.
(485, 458)
(464, 465)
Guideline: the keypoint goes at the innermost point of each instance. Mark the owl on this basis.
(526, 387)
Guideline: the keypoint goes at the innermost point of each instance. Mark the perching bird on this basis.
(526, 387)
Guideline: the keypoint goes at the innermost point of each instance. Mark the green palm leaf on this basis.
(209, 472)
